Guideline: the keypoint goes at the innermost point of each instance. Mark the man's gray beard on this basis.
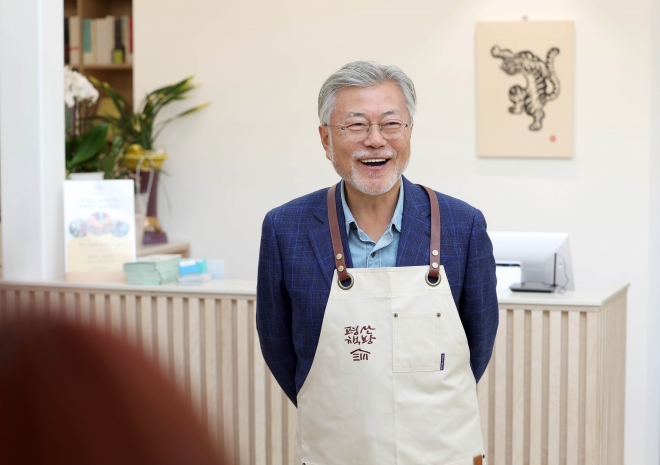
(353, 178)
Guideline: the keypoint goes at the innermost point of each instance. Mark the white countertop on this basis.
(249, 288)
(573, 298)
(218, 286)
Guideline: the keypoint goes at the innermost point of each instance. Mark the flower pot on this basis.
(147, 178)
(135, 152)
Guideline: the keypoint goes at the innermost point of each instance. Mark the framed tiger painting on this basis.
(524, 73)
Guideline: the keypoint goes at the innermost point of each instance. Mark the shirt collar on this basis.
(396, 218)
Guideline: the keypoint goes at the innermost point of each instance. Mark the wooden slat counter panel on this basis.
(207, 345)
(553, 393)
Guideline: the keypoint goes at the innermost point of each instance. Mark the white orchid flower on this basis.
(77, 88)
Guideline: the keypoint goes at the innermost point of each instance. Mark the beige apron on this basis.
(391, 381)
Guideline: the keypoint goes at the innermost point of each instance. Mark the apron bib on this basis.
(391, 382)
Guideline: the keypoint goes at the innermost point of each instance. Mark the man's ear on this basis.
(325, 139)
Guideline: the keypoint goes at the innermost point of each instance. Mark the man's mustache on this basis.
(384, 153)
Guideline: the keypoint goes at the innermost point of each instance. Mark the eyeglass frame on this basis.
(380, 128)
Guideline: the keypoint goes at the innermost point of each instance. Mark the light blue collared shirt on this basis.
(366, 253)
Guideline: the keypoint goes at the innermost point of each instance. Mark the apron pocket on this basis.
(416, 338)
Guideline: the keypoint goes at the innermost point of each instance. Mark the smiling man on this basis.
(376, 303)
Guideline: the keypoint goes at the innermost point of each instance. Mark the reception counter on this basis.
(553, 392)
(554, 389)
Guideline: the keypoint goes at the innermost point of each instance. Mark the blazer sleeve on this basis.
(274, 312)
(478, 306)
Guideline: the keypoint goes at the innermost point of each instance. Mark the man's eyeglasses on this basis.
(390, 130)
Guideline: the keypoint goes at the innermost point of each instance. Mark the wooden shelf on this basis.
(120, 77)
(181, 247)
(124, 67)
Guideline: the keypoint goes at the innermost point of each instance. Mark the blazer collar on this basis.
(415, 226)
(415, 230)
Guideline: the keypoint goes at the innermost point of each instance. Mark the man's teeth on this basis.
(374, 160)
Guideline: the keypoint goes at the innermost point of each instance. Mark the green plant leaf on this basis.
(90, 145)
(109, 162)
(70, 147)
(160, 126)
(140, 127)
(122, 105)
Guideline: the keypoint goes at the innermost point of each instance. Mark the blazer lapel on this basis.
(321, 241)
(415, 226)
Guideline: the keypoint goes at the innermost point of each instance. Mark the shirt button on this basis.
(373, 254)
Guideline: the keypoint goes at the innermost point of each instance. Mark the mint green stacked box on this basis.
(153, 269)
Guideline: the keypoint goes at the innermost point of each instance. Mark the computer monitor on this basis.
(543, 257)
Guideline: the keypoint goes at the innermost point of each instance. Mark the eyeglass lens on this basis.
(390, 130)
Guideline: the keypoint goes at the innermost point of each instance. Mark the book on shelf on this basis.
(127, 34)
(106, 44)
(105, 41)
(72, 40)
(118, 50)
(98, 44)
(88, 53)
(95, 40)
(66, 41)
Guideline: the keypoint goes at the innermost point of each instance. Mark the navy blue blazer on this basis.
(296, 265)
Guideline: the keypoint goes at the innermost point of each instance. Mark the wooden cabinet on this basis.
(119, 76)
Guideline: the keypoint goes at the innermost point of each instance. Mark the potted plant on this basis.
(84, 142)
(139, 128)
(89, 154)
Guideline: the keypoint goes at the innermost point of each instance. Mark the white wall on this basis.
(261, 65)
(653, 425)
(32, 126)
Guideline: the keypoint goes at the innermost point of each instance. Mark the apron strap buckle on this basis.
(432, 276)
(434, 247)
(340, 259)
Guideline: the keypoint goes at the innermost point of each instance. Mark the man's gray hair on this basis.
(364, 74)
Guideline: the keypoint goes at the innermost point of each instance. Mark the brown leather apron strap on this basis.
(434, 249)
(340, 258)
(478, 460)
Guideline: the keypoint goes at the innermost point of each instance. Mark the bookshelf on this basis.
(119, 76)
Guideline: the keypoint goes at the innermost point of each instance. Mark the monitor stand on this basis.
(538, 287)
(532, 287)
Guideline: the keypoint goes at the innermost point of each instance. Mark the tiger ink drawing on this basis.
(542, 82)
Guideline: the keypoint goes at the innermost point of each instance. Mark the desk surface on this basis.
(577, 298)
(249, 287)
(219, 286)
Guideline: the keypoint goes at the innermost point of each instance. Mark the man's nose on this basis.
(374, 138)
